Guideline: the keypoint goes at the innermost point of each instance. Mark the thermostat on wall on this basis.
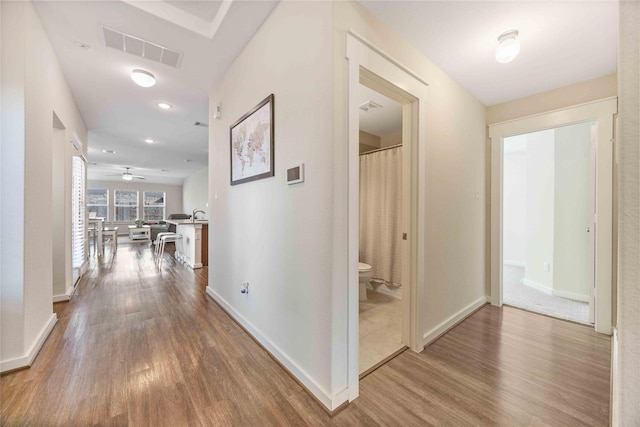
(295, 174)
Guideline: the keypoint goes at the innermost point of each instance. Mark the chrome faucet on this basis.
(193, 214)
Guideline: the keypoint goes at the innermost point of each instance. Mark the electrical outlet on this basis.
(547, 267)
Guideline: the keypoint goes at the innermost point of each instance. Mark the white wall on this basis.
(275, 236)
(195, 193)
(540, 209)
(391, 139)
(571, 203)
(453, 159)
(33, 88)
(514, 203)
(173, 198)
(626, 369)
(59, 210)
(289, 242)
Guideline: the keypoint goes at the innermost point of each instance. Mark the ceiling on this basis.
(121, 115)
(383, 121)
(562, 43)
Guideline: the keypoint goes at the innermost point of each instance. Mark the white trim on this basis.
(61, 298)
(442, 328)
(30, 356)
(513, 263)
(570, 295)
(67, 296)
(556, 293)
(563, 111)
(184, 19)
(366, 62)
(385, 55)
(603, 111)
(538, 286)
(332, 402)
(615, 380)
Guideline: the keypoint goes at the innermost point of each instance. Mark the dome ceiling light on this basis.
(143, 78)
(508, 47)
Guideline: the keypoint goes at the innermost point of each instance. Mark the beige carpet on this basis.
(516, 294)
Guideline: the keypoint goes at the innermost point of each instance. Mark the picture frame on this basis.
(252, 145)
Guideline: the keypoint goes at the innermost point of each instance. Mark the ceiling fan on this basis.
(128, 176)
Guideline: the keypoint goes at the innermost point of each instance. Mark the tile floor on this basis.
(380, 328)
(516, 294)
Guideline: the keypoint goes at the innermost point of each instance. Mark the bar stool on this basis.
(93, 238)
(110, 234)
(167, 237)
(158, 241)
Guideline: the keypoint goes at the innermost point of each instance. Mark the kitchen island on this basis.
(193, 248)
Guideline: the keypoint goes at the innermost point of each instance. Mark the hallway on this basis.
(140, 346)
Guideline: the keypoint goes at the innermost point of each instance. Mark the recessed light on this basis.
(164, 105)
(166, 170)
(149, 141)
(143, 78)
(109, 151)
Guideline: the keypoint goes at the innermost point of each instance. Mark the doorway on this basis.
(548, 215)
(600, 116)
(370, 67)
(380, 248)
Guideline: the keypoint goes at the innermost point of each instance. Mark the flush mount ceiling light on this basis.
(143, 78)
(164, 105)
(149, 141)
(508, 47)
(109, 151)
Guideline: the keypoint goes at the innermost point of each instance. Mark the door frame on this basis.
(376, 69)
(603, 111)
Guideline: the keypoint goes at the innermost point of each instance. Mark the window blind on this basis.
(78, 227)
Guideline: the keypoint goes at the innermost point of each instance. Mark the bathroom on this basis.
(380, 246)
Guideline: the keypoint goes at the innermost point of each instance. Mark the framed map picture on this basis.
(252, 146)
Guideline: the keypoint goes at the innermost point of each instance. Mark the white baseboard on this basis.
(550, 291)
(332, 402)
(615, 381)
(61, 298)
(513, 263)
(30, 356)
(66, 296)
(570, 295)
(443, 327)
(537, 286)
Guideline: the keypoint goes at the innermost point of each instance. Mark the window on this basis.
(126, 203)
(78, 224)
(154, 202)
(98, 202)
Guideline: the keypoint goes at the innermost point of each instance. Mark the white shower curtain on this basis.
(381, 213)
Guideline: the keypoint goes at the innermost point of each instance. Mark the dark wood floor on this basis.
(141, 346)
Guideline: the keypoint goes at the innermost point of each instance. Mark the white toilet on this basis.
(365, 271)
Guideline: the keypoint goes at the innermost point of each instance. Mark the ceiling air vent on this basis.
(369, 106)
(142, 48)
(204, 125)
